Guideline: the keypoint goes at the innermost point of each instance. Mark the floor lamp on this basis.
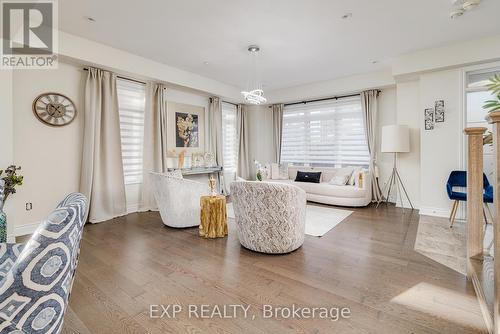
(395, 139)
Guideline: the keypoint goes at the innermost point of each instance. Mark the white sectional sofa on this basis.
(326, 193)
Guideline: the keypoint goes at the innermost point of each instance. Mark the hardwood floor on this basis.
(366, 263)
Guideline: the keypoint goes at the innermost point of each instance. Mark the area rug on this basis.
(319, 219)
(437, 241)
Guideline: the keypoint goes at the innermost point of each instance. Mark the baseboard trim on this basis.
(31, 228)
(26, 229)
(435, 212)
(132, 208)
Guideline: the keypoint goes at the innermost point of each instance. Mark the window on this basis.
(131, 101)
(327, 133)
(229, 140)
(476, 95)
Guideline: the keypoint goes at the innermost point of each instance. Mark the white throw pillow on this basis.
(344, 172)
(355, 175)
(339, 180)
(275, 171)
(279, 171)
(283, 172)
(327, 175)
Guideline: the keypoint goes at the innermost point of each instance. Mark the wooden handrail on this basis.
(474, 195)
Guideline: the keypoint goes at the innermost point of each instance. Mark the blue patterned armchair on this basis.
(36, 278)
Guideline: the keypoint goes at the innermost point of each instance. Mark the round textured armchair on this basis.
(270, 217)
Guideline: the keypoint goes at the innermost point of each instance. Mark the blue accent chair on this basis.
(458, 178)
(36, 277)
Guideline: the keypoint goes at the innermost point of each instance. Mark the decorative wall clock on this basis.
(54, 109)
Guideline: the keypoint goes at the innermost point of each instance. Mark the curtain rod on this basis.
(234, 104)
(123, 78)
(324, 99)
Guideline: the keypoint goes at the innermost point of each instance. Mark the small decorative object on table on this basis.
(197, 160)
(180, 159)
(260, 170)
(209, 159)
(213, 217)
(212, 184)
(8, 183)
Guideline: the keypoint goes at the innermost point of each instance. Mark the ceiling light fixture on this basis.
(470, 5)
(90, 19)
(254, 94)
(463, 6)
(457, 13)
(346, 16)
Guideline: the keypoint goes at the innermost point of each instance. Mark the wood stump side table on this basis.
(213, 217)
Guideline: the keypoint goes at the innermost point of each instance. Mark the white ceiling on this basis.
(301, 41)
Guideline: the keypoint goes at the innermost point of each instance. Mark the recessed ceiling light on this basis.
(206, 62)
(90, 19)
(253, 48)
(375, 61)
(346, 16)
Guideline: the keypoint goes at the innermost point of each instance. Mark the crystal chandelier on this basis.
(255, 94)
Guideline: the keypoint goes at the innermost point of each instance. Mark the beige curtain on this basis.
(215, 134)
(155, 142)
(215, 129)
(277, 131)
(369, 104)
(244, 168)
(101, 177)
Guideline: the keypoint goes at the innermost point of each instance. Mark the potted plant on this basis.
(258, 169)
(9, 180)
(494, 88)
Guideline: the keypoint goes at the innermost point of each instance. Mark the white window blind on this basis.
(229, 140)
(326, 133)
(131, 101)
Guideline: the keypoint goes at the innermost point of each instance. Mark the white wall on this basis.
(50, 157)
(7, 138)
(475, 51)
(346, 85)
(408, 113)
(440, 148)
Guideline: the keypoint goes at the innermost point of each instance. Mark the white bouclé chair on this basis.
(178, 199)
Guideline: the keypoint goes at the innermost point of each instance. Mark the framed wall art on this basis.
(429, 119)
(186, 127)
(439, 111)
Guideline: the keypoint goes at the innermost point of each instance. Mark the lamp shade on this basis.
(395, 139)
